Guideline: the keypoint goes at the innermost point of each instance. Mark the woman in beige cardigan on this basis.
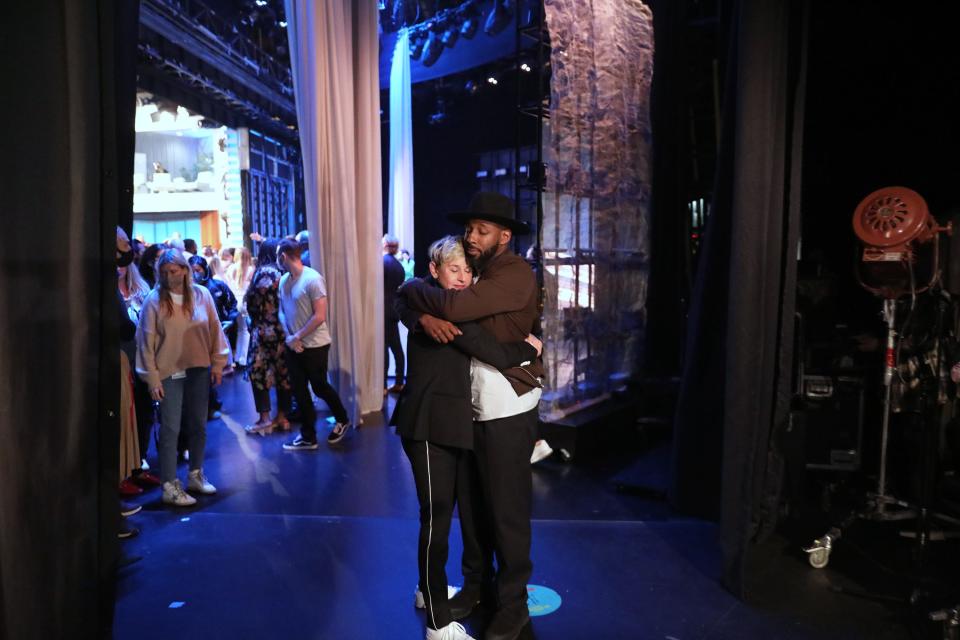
(181, 350)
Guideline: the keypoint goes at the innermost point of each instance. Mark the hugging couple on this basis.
(467, 417)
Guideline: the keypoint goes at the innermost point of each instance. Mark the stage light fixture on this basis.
(432, 49)
(416, 45)
(283, 24)
(471, 87)
(471, 23)
(482, 173)
(493, 80)
(450, 35)
(498, 18)
(525, 67)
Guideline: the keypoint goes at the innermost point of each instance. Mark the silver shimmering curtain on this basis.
(596, 208)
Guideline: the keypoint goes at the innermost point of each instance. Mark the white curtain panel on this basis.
(334, 53)
(400, 219)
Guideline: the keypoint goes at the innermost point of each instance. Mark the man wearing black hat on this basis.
(504, 302)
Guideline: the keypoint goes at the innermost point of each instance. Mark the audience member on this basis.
(226, 257)
(303, 239)
(216, 267)
(239, 280)
(181, 351)
(303, 314)
(148, 263)
(226, 305)
(267, 357)
(393, 277)
(407, 263)
(134, 290)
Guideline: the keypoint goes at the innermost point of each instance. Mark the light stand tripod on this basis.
(882, 506)
(892, 224)
(877, 504)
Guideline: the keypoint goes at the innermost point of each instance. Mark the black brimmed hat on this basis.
(492, 207)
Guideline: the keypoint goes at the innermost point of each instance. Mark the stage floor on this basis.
(323, 545)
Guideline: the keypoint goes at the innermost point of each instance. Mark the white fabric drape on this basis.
(400, 218)
(334, 56)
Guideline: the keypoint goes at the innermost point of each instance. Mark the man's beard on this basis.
(480, 262)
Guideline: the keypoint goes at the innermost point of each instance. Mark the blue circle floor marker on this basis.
(542, 600)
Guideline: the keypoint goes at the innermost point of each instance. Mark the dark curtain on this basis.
(737, 374)
(61, 187)
(668, 286)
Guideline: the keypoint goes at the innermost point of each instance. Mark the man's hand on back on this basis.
(438, 329)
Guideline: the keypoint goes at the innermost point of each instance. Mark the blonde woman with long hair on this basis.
(133, 288)
(181, 351)
(216, 267)
(239, 277)
(240, 272)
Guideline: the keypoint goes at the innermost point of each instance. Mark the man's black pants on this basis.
(503, 448)
(391, 335)
(477, 561)
(310, 365)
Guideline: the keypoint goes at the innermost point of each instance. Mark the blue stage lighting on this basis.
(416, 45)
(471, 23)
(432, 49)
(450, 35)
(498, 18)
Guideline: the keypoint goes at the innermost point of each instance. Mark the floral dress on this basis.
(268, 365)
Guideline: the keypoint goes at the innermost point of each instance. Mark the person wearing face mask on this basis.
(223, 298)
(134, 290)
(226, 304)
(129, 450)
(434, 419)
(503, 301)
(181, 350)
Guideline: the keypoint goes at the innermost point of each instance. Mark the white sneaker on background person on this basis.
(174, 494)
(198, 482)
(541, 450)
(453, 631)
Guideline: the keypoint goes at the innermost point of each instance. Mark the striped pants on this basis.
(440, 474)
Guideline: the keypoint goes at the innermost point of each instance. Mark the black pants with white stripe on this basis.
(503, 448)
(435, 470)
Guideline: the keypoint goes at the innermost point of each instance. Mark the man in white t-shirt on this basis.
(303, 314)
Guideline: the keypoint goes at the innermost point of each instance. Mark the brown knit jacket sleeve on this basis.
(506, 289)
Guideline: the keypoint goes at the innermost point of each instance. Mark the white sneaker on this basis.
(453, 631)
(198, 482)
(420, 603)
(174, 494)
(541, 450)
